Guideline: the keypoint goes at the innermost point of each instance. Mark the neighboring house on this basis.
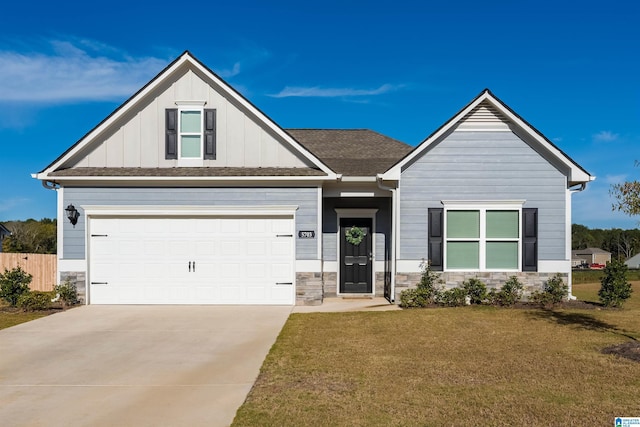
(633, 262)
(4, 232)
(189, 194)
(591, 256)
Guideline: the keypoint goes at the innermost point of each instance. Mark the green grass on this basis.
(450, 366)
(12, 317)
(594, 276)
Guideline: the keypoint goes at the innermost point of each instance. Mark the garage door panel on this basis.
(151, 261)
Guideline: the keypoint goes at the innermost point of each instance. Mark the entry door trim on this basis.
(357, 213)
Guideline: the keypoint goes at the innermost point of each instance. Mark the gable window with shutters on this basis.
(483, 236)
(190, 134)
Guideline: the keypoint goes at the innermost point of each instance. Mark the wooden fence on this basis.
(41, 266)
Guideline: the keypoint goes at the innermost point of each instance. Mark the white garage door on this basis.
(221, 260)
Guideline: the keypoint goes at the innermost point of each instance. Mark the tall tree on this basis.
(31, 236)
(627, 196)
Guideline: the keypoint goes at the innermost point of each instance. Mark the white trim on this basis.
(191, 103)
(61, 218)
(495, 129)
(330, 266)
(357, 194)
(357, 213)
(308, 266)
(163, 210)
(554, 266)
(488, 204)
(319, 234)
(225, 90)
(132, 179)
(409, 266)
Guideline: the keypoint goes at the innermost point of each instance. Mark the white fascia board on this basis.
(180, 179)
(185, 58)
(358, 179)
(163, 210)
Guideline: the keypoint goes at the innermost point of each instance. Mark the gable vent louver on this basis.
(484, 117)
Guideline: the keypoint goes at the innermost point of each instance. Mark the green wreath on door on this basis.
(354, 235)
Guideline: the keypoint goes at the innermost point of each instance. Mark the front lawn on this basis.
(14, 316)
(450, 366)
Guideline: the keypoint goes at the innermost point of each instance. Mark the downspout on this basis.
(394, 227)
(581, 187)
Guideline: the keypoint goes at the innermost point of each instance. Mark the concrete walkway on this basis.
(347, 304)
(134, 365)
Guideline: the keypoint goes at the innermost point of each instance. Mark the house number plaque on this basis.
(306, 234)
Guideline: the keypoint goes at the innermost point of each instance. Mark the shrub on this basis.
(67, 293)
(555, 290)
(475, 290)
(34, 300)
(509, 293)
(614, 288)
(14, 283)
(425, 293)
(454, 297)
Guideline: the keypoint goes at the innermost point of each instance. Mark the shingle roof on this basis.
(589, 251)
(352, 152)
(186, 172)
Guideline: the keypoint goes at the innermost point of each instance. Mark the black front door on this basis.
(356, 256)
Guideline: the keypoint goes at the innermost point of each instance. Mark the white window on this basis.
(483, 237)
(190, 133)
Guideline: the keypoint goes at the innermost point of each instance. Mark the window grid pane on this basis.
(463, 224)
(190, 146)
(502, 224)
(463, 255)
(190, 122)
(502, 255)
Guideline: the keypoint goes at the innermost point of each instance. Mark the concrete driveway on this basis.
(134, 365)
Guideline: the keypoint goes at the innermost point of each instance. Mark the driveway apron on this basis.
(134, 365)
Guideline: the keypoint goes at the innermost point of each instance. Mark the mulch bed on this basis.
(628, 350)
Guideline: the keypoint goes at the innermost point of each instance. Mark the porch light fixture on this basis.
(72, 214)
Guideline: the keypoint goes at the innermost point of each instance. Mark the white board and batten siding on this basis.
(138, 141)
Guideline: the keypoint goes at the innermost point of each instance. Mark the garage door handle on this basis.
(189, 266)
(284, 235)
(284, 283)
(99, 283)
(194, 266)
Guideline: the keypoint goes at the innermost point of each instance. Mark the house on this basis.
(633, 262)
(189, 194)
(4, 232)
(591, 256)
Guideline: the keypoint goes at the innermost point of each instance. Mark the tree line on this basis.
(622, 244)
(31, 236)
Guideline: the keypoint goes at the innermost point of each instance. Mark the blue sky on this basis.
(570, 69)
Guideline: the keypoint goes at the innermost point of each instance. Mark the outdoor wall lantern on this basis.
(72, 214)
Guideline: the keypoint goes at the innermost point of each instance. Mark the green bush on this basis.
(554, 292)
(34, 300)
(454, 297)
(425, 293)
(67, 293)
(14, 283)
(614, 287)
(475, 290)
(509, 293)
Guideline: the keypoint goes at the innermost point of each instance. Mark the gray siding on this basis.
(305, 198)
(482, 166)
(330, 225)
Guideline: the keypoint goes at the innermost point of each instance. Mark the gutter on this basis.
(580, 187)
(394, 228)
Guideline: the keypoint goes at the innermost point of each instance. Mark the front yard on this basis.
(450, 366)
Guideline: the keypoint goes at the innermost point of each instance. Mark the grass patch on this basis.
(594, 276)
(450, 366)
(14, 316)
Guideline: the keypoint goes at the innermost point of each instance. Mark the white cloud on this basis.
(605, 136)
(557, 139)
(319, 92)
(74, 71)
(230, 73)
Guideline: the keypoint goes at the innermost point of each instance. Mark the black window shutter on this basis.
(530, 239)
(435, 238)
(209, 148)
(171, 134)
